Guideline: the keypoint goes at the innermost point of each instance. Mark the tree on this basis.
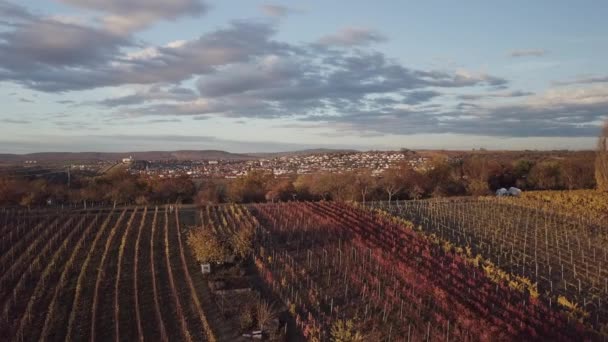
(577, 173)
(391, 182)
(281, 190)
(601, 160)
(171, 190)
(211, 192)
(521, 171)
(206, 246)
(478, 187)
(476, 168)
(302, 186)
(546, 175)
(241, 242)
(442, 178)
(250, 188)
(11, 191)
(416, 184)
(344, 331)
(364, 183)
(329, 185)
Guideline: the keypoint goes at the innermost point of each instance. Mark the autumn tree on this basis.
(415, 184)
(210, 192)
(391, 182)
(329, 185)
(170, 190)
(241, 242)
(11, 191)
(601, 160)
(250, 188)
(475, 170)
(344, 331)
(442, 179)
(521, 171)
(364, 183)
(302, 185)
(206, 246)
(281, 190)
(546, 175)
(577, 173)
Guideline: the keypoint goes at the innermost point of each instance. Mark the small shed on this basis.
(206, 268)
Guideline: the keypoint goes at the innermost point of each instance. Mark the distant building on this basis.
(127, 160)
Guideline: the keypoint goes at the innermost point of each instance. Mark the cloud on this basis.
(277, 11)
(352, 36)
(91, 58)
(288, 85)
(268, 72)
(157, 92)
(555, 113)
(419, 96)
(15, 121)
(37, 43)
(528, 53)
(126, 16)
(155, 121)
(583, 80)
(503, 94)
(11, 14)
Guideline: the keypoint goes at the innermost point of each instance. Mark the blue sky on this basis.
(254, 76)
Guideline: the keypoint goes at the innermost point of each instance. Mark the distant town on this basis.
(376, 161)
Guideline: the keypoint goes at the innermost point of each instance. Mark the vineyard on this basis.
(438, 270)
(103, 275)
(563, 259)
(585, 203)
(333, 262)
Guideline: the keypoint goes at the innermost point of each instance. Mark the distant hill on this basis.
(149, 155)
(301, 152)
(157, 155)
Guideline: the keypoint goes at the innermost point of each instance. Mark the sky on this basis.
(257, 76)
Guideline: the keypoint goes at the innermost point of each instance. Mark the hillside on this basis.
(147, 155)
(270, 155)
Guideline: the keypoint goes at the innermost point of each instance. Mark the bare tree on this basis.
(601, 160)
(364, 182)
(392, 182)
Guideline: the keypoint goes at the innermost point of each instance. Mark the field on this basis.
(440, 270)
(589, 204)
(99, 275)
(562, 258)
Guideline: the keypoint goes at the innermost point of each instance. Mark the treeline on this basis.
(116, 188)
(473, 175)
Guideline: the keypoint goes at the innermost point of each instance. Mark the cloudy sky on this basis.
(247, 75)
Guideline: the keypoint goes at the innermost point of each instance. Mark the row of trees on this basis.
(475, 174)
(601, 161)
(116, 188)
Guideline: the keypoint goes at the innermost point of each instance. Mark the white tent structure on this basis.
(515, 192)
(512, 192)
(502, 192)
